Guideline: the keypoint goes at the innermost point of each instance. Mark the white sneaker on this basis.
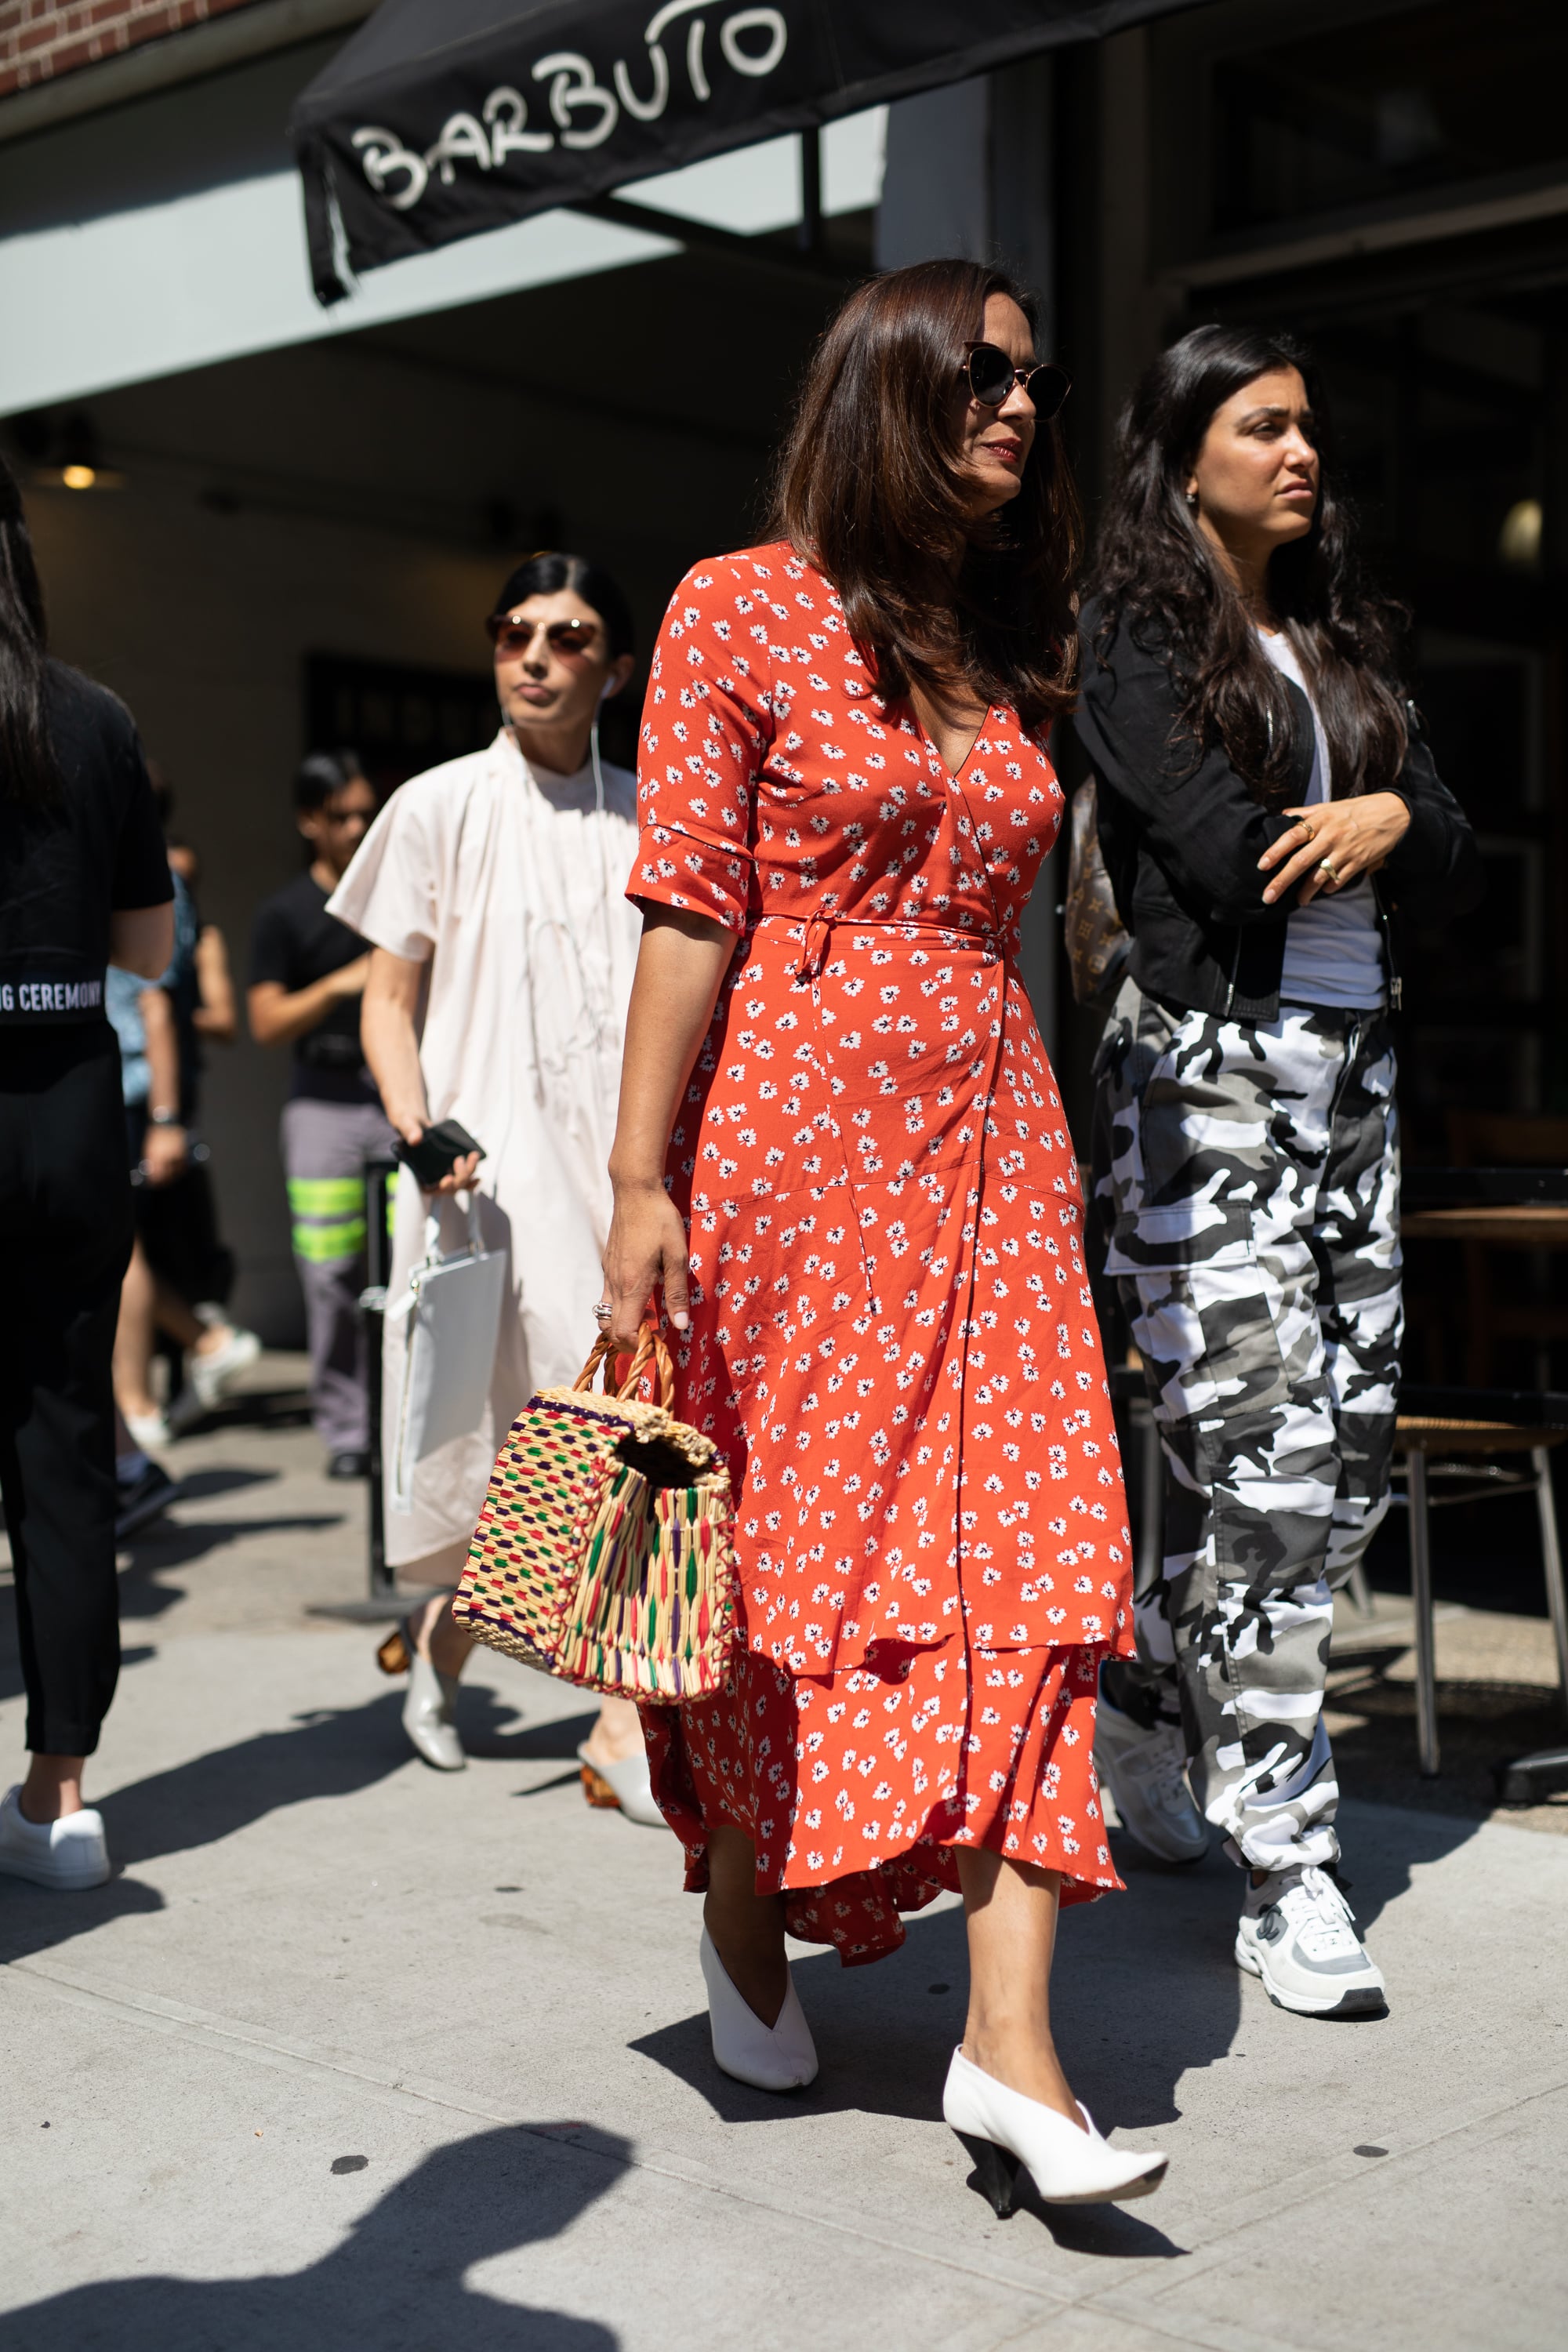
(1298, 1934)
(69, 1853)
(148, 1431)
(1146, 1772)
(213, 1374)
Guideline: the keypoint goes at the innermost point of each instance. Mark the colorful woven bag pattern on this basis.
(604, 1552)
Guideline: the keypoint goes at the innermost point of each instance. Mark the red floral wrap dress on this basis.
(892, 1328)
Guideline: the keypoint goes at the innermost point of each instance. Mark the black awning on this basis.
(442, 117)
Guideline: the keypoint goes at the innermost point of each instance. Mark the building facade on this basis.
(314, 508)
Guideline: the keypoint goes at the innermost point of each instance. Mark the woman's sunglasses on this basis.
(992, 375)
(574, 640)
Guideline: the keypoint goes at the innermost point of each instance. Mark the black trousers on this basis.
(65, 1243)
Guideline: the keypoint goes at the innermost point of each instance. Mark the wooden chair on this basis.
(1419, 1439)
(1480, 1138)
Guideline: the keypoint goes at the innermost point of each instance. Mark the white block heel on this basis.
(777, 2057)
(1001, 2130)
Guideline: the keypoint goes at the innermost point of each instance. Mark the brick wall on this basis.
(40, 39)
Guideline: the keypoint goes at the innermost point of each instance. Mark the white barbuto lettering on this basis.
(752, 42)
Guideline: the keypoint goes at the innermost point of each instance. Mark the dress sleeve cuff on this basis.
(700, 878)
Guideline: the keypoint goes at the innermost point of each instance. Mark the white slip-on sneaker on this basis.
(68, 1855)
(777, 2057)
(623, 1786)
(1146, 1773)
(428, 1715)
(1001, 2130)
(210, 1375)
(1298, 1934)
(148, 1431)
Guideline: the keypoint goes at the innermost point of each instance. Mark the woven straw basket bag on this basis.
(604, 1552)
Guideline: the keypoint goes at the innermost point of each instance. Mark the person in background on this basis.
(82, 877)
(177, 1223)
(491, 889)
(306, 976)
(214, 1352)
(1265, 805)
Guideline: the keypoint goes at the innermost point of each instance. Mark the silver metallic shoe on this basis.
(428, 1715)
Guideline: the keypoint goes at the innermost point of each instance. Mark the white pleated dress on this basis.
(509, 883)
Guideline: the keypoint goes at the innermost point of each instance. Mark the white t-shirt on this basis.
(1333, 945)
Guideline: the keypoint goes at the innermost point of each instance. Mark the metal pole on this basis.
(1552, 1561)
(810, 232)
(373, 1306)
(1421, 1595)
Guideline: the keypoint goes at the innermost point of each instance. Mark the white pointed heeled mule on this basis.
(1001, 2130)
(623, 1786)
(777, 2057)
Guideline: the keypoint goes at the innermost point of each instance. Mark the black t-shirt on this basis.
(296, 942)
(65, 867)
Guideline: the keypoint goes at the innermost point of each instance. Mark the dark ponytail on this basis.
(28, 775)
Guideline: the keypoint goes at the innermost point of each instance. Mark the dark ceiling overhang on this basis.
(441, 119)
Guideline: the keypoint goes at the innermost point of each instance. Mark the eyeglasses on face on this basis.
(992, 377)
(512, 637)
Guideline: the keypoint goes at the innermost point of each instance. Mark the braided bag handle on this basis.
(650, 1351)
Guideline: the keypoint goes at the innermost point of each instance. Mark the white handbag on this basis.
(452, 1308)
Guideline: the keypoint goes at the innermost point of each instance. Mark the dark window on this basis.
(1370, 111)
(399, 720)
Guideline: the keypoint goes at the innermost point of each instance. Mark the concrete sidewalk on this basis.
(352, 2053)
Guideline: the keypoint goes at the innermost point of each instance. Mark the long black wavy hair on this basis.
(30, 777)
(1161, 579)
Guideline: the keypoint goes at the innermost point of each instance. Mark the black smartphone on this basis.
(438, 1152)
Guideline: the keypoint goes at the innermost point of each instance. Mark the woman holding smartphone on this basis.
(490, 891)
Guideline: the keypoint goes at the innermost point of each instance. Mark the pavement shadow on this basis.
(197, 1486)
(396, 2279)
(34, 1920)
(329, 1752)
(1145, 1989)
(539, 1743)
(175, 1544)
(1381, 1845)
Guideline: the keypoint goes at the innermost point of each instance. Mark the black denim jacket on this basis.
(1182, 837)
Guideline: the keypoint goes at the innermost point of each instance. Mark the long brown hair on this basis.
(869, 491)
(1161, 580)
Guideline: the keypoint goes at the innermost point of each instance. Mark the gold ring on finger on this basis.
(1326, 868)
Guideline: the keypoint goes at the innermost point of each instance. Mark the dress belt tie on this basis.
(813, 956)
(820, 928)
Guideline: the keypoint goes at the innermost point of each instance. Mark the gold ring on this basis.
(1310, 830)
(1325, 865)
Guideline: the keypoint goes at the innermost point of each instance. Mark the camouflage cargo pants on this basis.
(1246, 1186)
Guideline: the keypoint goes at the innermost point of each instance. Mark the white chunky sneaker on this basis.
(67, 1854)
(1298, 1934)
(1146, 1773)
